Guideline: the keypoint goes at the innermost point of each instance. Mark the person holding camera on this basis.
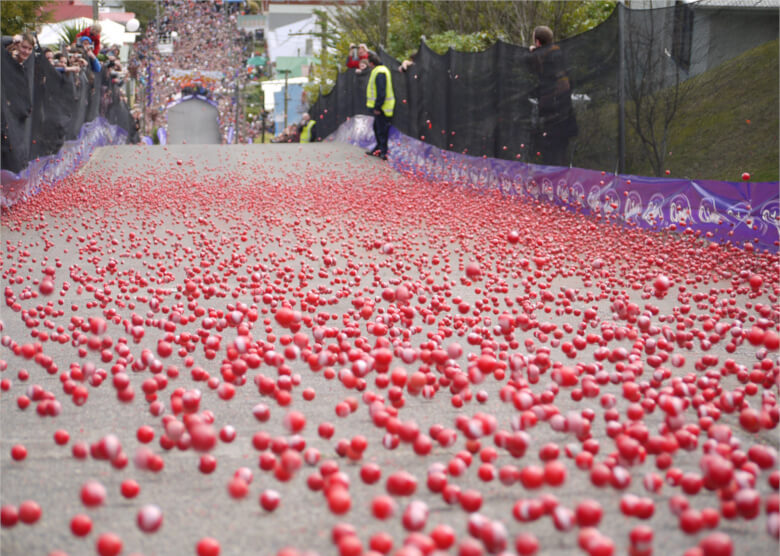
(93, 34)
(114, 67)
(353, 60)
(89, 51)
(21, 48)
(357, 58)
(61, 60)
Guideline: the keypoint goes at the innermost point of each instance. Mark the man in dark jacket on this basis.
(380, 99)
(556, 115)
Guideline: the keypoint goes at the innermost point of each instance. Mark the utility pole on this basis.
(95, 10)
(286, 73)
(383, 23)
(323, 17)
(238, 108)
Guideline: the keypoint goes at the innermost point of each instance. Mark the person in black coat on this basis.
(557, 124)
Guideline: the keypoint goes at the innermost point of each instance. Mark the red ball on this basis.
(238, 488)
(526, 544)
(18, 452)
(81, 525)
(29, 512)
(401, 483)
(443, 536)
(470, 500)
(532, 476)
(130, 488)
(109, 544)
(383, 507)
(9, 515)
(339, 500)
(149, 518)
(717, 544)
(554, 473)
(588, 513)
(269, 500)
(93, 493)
(370, 473)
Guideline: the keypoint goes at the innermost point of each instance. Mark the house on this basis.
(702, 34)
(727, 28)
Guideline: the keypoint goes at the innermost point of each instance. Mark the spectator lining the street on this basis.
(88, 50)
(207, 42)
(93, 34)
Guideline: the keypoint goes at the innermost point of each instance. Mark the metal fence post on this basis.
(621, 85)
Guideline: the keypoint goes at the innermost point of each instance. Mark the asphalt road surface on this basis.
(319, 272)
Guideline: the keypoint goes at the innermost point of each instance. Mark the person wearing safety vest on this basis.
(380, 99)
(307, 133)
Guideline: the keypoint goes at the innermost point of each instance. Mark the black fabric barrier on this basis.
(42, 108)
(496, 103)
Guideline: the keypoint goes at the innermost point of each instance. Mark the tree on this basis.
(21, 16)
(398, 26)
(566, 19)
(471, 42)
(655, 87)
(469, 25)
(68, 33)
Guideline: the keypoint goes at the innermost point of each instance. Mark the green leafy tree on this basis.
(68, 33)
(398, 26)
(471, 42)
(22, 16)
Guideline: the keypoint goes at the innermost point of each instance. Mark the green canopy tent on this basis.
(293, 64)
(256, 61)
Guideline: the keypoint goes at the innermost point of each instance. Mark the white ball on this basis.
(132, 25)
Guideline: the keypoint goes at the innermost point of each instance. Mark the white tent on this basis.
(112, 33)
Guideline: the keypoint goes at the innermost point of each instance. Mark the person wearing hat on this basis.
(86, 44)
(93, 33)
(380, 99)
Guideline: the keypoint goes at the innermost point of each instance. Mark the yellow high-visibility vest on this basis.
(389, 104)
(306, 132)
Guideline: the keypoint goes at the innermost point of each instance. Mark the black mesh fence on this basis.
(42, 107)
(647, 89)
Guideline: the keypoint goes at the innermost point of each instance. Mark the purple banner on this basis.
(162, 136)
(47, 171)
(735, 212)
(146, 140)
(231, 134)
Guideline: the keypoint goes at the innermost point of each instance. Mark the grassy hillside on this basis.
(729, 124)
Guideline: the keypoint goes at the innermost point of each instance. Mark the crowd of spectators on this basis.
(205, 39)
(51, 92)
(80, 56)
